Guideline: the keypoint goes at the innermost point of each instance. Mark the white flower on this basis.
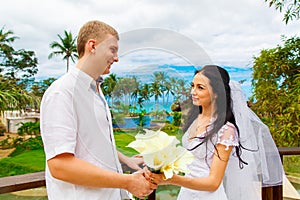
(152, 141)
(161, 152)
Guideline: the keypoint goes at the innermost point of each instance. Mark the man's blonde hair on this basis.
(96, 30)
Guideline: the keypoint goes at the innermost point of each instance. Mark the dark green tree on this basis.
(15, 64)
(17, 68)
(6, 38)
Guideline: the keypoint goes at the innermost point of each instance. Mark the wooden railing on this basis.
(22, 182)
(275, 192)
(34, 180)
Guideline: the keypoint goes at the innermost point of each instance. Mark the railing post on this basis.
(272, 193)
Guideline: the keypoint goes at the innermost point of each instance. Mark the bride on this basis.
(234, 152)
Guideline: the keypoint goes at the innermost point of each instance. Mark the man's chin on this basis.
(107, 71)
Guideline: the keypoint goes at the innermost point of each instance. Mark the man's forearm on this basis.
(68, 168)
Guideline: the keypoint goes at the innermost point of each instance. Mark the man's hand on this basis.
(139, 186)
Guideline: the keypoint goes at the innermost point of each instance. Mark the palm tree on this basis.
(161, 78)
(14, 97)
(136, 90)
(169, 90)
(174, 84)
(156, 91)
(182, 89)
(66, 47)
(108, 87)
(144, 94)
(5, 47)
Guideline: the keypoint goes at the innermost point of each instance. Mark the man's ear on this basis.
(91, 45)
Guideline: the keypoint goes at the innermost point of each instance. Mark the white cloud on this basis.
(230, 32)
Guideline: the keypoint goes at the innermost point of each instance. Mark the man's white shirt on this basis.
(76, 119)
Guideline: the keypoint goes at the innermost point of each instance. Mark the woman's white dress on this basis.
(200, 167)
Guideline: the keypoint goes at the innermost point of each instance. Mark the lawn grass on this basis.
(122, 140)
(30, 161)
(26, 162)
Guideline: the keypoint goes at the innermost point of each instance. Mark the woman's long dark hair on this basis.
(219, 81)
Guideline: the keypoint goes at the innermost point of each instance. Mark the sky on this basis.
(227, 33)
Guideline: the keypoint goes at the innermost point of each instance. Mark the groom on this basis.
(82, 159)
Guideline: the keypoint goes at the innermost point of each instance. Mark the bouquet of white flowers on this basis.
(162, 153)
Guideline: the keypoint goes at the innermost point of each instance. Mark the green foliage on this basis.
(15, 64)
(26, 145)
(10, 142)
(29, 128)
(170, 129)
(176, 118)
(14, 96)
(17, 68)
(292, 165)
(292, 8)
(20, 144)
(276, 84)
(141, 119)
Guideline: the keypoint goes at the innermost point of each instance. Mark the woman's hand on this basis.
(135, 162)
(158, 179)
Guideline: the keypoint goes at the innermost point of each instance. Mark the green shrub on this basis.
(29, 128)
(29, 144)
(176, 118)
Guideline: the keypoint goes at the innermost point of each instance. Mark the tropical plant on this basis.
(141, 119)
(15, 64)
(65, 47)
(161, 78)
(156, 91)
(108, 87)
(14, 96)
(176, 118)
(182, 90)
(276, 89)
(17, 68)
(29, 128)
(6, 38)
